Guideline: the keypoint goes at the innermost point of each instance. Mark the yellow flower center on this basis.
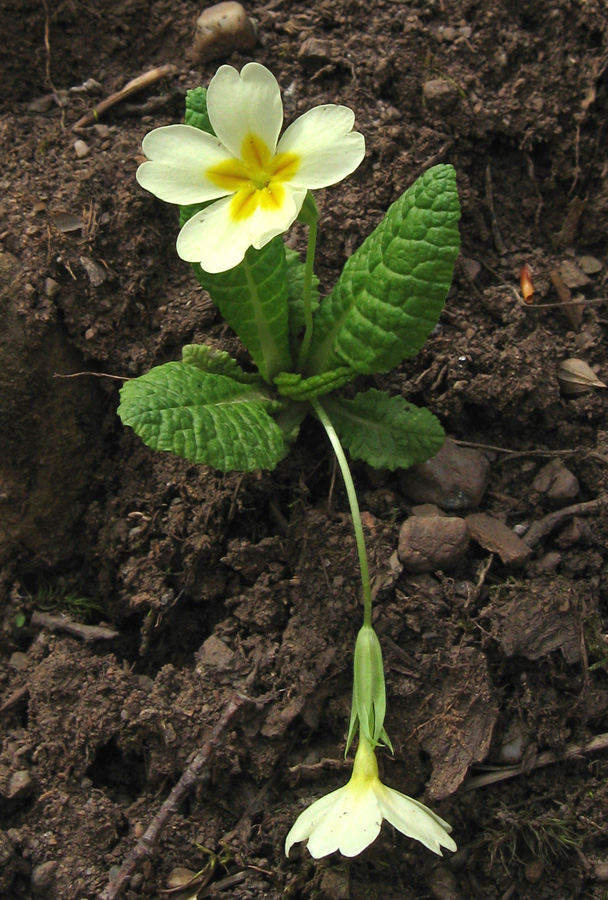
(256, 179)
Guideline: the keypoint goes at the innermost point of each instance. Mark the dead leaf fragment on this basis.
(576, 377)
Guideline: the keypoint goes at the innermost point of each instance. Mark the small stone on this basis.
(589, 265)
(51, 288)
(557, 482)
(443, 884)
(428, 510)
(534, 871)
(455, 478)
(571, 275)
(470, 267)
(220, 29)
(430, 543)
(97, 274)
(19, 661)
(495, 536)
(81, 148)
(600, 871)
(440, 94)
(43, 876)
(315, 50)
(20, 785)
(102, 131)
(216, 654)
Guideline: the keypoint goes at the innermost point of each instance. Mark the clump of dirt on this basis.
(210, 586)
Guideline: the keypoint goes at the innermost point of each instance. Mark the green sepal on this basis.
(252, 298)
(369, 691)
(196, 110)
(392, 289)
(386, 432)
(208, 359)
(293, 385)
(295, 289)
(204, 417)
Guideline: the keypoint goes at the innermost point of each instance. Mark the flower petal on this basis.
(308, 820)
(212, 239)
(249, 103)
(353, 822)
(178, 157)
(328, 148)
(414, 819)
(218, 239)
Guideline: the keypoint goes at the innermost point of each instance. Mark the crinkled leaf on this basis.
(386, 432)
(295, 289)
(208, 359)
(291, 384)
(392, 289)
(196, 110)
(252, 297)
(203, 417)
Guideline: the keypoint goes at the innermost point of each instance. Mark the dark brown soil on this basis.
(217, 584)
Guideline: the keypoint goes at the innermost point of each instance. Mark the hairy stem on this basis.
(354, 508)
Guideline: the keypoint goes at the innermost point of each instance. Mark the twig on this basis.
(191, 777)
(18, 695)
(132, 87)
(62, 623)
(544, 759)
(539, 529)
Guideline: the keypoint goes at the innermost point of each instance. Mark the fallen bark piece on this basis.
(495, 536)
(455, 478)
(536, 619)
(220, 29)
(428, 543)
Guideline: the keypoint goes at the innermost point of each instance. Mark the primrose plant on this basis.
(240, 186)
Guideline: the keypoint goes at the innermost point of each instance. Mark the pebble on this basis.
(19, 661)
(443, 884)
(440, 94)
(81, 148)
(220, 29)
(589, 265)
(455, 478)
(20, 785)
(43, 876)
(571, 275)
(216, 654)
(428, 543)
(51, 288)
(557, 482)
(495, 536)
(315, 50)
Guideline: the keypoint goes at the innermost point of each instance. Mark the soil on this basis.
(209, 585)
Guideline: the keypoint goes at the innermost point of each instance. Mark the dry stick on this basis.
(133, 87)
(189, 780)
(62, 623)
(544, 759)
(539, 529)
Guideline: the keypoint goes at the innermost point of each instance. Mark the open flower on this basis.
(350, 818)
(259, 182)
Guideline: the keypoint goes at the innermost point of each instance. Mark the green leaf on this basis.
(203, 417)
(386, 432)
(196, 110)
(252, 297)
(291, 384)
(208, 359)
(392, 289)
(295, 289)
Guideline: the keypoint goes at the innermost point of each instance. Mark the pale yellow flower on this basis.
(257, 181)
(349, 819)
